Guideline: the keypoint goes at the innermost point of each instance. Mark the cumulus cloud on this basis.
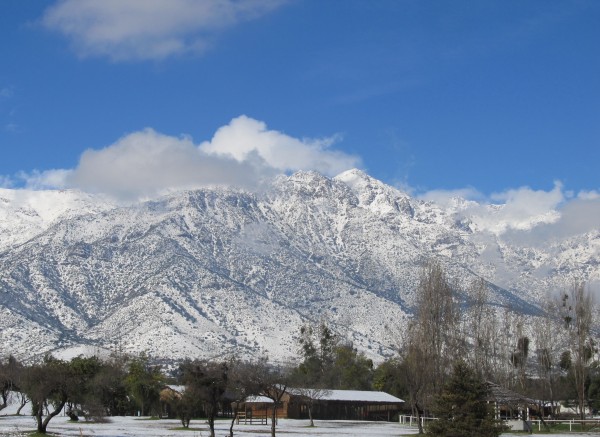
(589, 195)
(524, 215)
(245, 136)
(521, 208)
(146, 163)
(148, 29)
(577, 216)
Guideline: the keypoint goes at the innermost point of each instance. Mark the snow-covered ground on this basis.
(133, 426)
(17, 426)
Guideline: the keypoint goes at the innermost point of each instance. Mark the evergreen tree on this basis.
(144, 382)
(462, 409)
(318, 349)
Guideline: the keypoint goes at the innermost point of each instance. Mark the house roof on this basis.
(176, 388)
(505, 396)
(258, 400)
(336, 395)
(350, 395)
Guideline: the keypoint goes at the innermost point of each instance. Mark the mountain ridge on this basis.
(207, 272)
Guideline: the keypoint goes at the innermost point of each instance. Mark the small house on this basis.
(327, 405)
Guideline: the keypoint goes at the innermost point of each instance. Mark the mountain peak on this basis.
(215, 271)
(374, 194)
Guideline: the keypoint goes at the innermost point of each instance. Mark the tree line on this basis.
(92, 388)
(455, 342)
(549, 357)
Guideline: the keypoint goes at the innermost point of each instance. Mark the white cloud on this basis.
(588, 195)
(148, 29)
(449, 197)
(244, 137)
(521, 209)
(524, 215)
(146, 163)
(6, 181)
(517, 209)
(48, 179)
(578, 216)
(514, 209)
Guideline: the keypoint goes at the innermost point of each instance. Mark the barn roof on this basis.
(336, 395)
(351, 395)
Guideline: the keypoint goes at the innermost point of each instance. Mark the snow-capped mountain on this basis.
(26, 213)
(214, 272)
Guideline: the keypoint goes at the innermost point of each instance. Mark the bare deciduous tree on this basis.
(482, 329)
(437, 321)
(272, 382)
(577, 316)
(434, 341)
(546, 363)
(312, 396)
(242, 383)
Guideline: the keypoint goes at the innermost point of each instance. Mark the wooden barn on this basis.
(327, 405)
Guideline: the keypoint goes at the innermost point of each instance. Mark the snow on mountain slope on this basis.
(26, 213)
(214, 272)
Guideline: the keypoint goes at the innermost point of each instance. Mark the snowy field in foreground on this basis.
(132, 426)
(17, 426)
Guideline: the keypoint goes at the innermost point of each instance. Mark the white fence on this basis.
(573, 424)
(414, 421)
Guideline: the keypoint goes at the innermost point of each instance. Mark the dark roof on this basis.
(504, 396)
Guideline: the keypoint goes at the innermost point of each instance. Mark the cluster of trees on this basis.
(84, 385)
(93, 388)
(122, 385)
(455, 342)
(549, 357)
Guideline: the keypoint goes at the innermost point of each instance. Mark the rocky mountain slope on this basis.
(214, 272)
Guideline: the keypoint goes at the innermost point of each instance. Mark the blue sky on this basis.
(486, 97)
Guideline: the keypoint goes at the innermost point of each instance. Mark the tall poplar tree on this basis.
(434, 341)
(578, 319)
